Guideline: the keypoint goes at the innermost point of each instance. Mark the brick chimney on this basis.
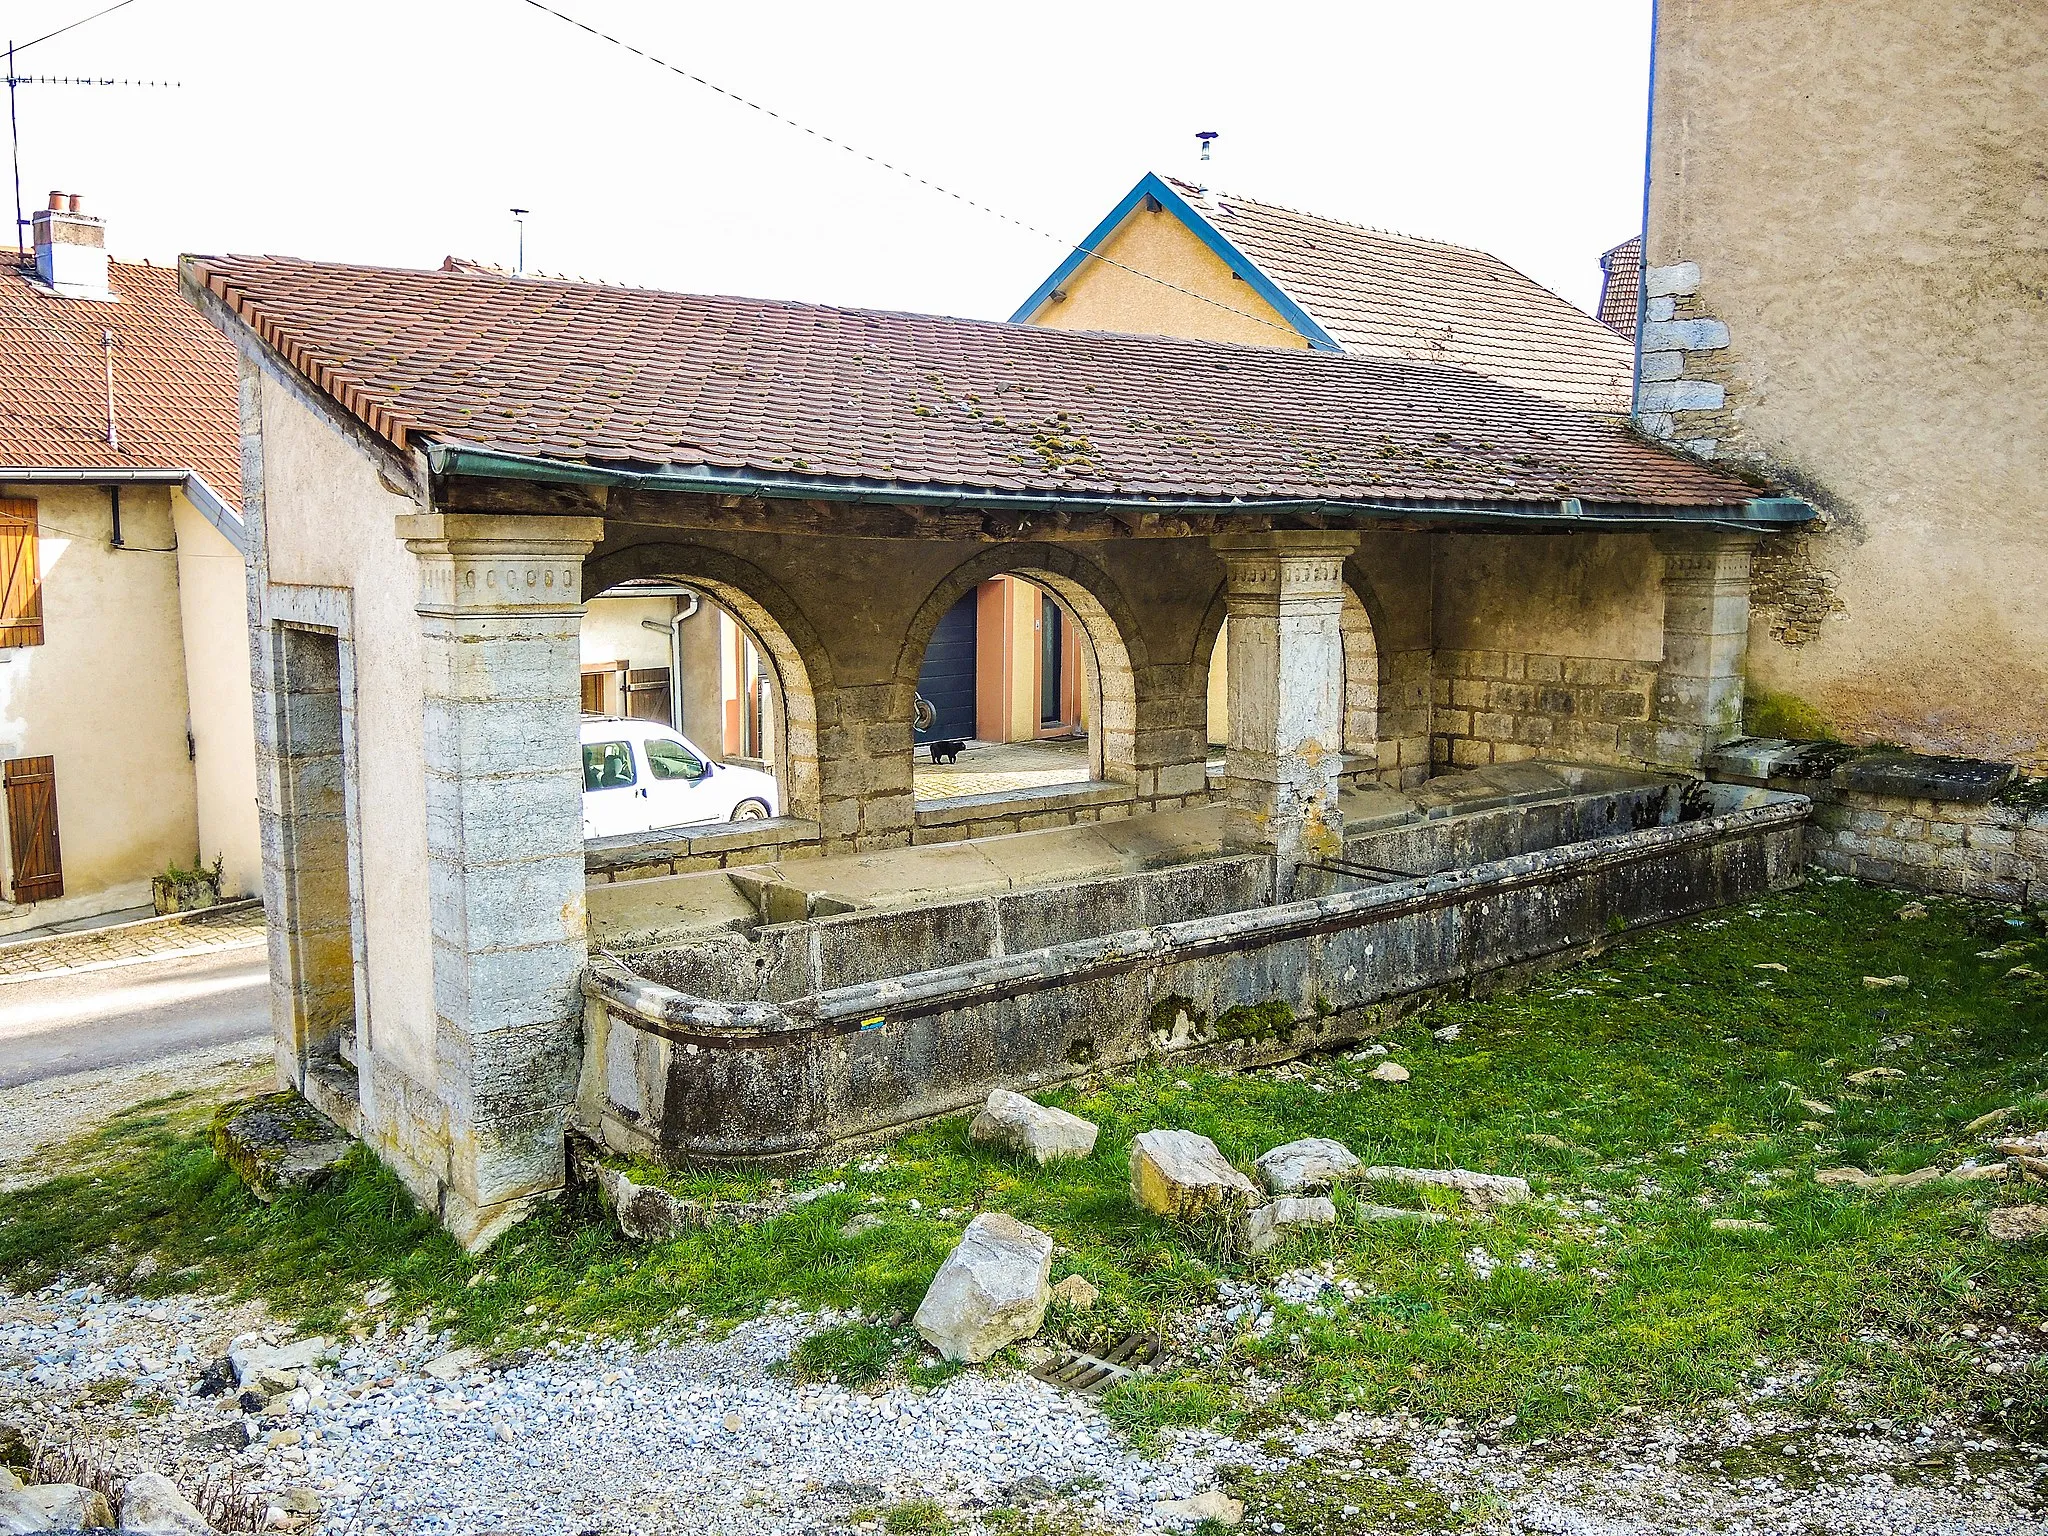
(71, 248)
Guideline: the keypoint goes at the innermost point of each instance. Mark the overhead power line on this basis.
(73, 25)
(889, 166)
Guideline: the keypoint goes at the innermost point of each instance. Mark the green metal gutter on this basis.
(1763, 512)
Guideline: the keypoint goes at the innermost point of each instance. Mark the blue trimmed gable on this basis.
(1160, 191)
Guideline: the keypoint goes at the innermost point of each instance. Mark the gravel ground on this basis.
(35, 1115)
(697, 1434)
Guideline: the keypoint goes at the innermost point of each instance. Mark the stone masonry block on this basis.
(1682, 395)
(1683, 336)
(1660, 308)
(1543, 669)
(1680, 277)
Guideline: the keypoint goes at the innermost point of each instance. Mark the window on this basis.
(608, 765)
(672, 760)
(21, 580)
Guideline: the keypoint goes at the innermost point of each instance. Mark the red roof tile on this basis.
(174, 380)
(633, 378)
(1621, 286)
(1423, 301)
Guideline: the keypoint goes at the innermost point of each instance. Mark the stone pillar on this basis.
(500, 612)
(1284, 593)
(1698, 699)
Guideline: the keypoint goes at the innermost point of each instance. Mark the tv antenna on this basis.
(519, 215)
(16, 79)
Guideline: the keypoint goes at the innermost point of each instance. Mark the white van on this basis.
(640, 776)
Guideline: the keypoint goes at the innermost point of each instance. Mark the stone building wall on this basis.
(1846, 287)
(1957, 826)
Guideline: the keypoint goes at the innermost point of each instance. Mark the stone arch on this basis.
(1113, 656)
(1366, 675)
(796, 657)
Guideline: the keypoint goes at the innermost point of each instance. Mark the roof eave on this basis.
(1756, 513)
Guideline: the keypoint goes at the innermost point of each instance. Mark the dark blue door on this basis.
(947, 676)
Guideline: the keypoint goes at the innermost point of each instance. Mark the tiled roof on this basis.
(1621, 286)
(1422, 301)
(174, 380)
(631, 378)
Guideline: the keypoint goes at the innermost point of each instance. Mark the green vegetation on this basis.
(1784, 716)
(916, 1517)
(1671, 1083)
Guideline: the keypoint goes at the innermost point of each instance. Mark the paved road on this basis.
(136, 1013)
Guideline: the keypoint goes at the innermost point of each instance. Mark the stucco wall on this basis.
(105, 696)
(1105, 297)
(612, 631)
(213, 609)
(1861, 187)
(329, 523)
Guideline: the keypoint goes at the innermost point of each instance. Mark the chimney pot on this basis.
(77, 203)
(56, 202)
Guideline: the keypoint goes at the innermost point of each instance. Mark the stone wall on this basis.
(1846, 280)
(1504, 707)
(1959, 826)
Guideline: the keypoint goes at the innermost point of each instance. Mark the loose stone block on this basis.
(991, 1291)
(277, 1142)
(1038, 1131)
(1483, 1191)
(1265, 1227)
(1315, 1162)
(151, 1505)
(1181, 1173)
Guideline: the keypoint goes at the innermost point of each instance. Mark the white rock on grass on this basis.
(1213, 1505)
(152, 1504)
(1482, 1191)
(1078, 1292)
(1265, 1227)
(990, 1292)
(1180, 1173)
(1038, 1131)
(68, 1507)
(1389, 1072)
(1316, 1162)
(250, 1356)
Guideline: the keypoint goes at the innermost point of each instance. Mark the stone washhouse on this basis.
(1479, 646)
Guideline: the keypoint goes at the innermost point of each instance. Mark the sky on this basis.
(401, 131)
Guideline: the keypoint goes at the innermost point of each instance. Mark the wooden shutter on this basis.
(593, 693)
(21, 575)
(31, 784)
(647, 694)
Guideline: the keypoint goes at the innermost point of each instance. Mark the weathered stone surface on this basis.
(643, 1213)
(277, 1142)
(1077, 1292)
(1886, 983)
(152, 1504)
(1038, 1131)
(1876, 1075)
(20, 1515)
(1739, 1224)
(251, 1357)
(1482, 1191)
(1389, 1072)
(1266, 1226)
(1215, 1505)
(1315, 1162)
(990, 1292)
(1856, 1178)
(68, 1507)
(454, 1365)
(1180, 1173)
(2016, 1223)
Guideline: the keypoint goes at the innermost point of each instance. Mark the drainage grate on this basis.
(1095, 1374)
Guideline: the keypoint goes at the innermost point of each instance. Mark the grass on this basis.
(1647, 1094)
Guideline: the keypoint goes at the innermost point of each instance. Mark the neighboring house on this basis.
(125, 722)
(1621, 286)
(1177, 260)
(1173, 259)
(1847, 288)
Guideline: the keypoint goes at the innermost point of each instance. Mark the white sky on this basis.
(374, 130)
